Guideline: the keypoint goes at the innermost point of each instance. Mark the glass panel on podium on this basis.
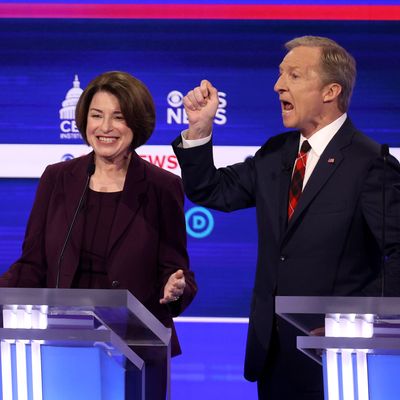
(80, 344)
(356, 339)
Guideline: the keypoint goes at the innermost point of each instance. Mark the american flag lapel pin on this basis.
(331, 160)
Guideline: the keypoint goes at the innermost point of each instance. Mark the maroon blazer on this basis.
(147, 242)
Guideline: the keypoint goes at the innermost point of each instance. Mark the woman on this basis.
(130, 231)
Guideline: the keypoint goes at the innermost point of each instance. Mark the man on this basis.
(319, 205)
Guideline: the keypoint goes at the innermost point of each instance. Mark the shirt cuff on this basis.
(186, 144)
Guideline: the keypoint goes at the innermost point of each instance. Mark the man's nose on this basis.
(280, 85)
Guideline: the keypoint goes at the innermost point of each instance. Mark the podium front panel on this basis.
(76, 341)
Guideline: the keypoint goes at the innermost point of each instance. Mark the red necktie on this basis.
(296, 186)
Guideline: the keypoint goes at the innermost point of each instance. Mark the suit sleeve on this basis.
(384, 219)
(173, 247)
(31, 268)
(225, 189)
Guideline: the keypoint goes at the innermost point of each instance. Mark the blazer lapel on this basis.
(133, 196)
(74, 184)
(74, 181)
(328, 163)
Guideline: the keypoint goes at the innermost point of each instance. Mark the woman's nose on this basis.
(106, 125)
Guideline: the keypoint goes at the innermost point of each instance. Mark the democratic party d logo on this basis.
(199, 222)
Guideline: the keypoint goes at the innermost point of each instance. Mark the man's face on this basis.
(300, 90)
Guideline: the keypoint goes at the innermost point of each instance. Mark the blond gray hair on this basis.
(338, 66)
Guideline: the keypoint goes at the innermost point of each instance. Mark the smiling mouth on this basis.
(107, 139)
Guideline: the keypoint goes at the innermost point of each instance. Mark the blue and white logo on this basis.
(175, 98)
(67, 112)
(199, 222)
(176, 113)
(67, 157)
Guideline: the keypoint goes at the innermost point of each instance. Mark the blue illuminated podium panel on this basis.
(360, 346)
(75, 343)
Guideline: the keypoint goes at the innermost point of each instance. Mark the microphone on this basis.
(384, 155)
(90, 171)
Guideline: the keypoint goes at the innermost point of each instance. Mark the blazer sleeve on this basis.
(172, 253)
(383, 182)
(31, 268)
(225, 189)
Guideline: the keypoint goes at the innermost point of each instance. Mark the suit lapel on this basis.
(289, 154)
(329, 161)
(133, 197)
(74, 184)
(74, 181)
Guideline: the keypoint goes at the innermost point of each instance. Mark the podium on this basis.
(356, 339)
(50, 338)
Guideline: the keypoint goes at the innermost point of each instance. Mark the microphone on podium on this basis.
(90, 171)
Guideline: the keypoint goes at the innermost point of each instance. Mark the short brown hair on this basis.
(137, 105)
(338, 66)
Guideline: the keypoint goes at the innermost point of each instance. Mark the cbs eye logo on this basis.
(67, 157)
(199, 222)
(175, 98)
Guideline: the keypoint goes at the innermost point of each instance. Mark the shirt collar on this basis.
(320, 139)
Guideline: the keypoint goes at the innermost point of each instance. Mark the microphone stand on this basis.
(90, 172)
(384, 154)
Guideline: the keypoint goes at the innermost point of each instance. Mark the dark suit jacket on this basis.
(147, 242)
(331, 245)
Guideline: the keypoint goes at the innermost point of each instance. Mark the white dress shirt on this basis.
(318, 142)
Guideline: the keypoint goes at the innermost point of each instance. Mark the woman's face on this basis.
(106, 130)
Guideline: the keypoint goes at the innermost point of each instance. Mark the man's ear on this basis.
(331, 92)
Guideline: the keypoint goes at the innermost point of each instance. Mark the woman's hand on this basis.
(174, 287)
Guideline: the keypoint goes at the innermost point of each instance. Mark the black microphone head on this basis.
(384, 150)
(91, 168)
